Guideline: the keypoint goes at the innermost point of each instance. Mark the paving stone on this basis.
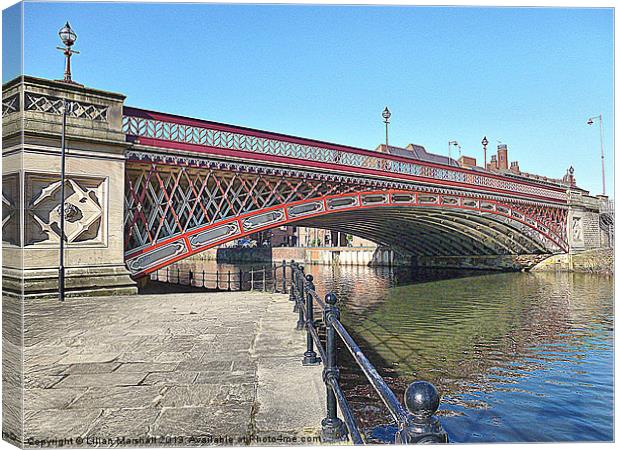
(231, 422)
(88, 358)
(201, 365)
(102, 379)
(148, 367)
(208, 394)
(39, 399)
(119, 397)
(127, 423)
(88, 368)
(235, 377)
(169, 379)
(41, 381)
(176, 357)
(59, 424)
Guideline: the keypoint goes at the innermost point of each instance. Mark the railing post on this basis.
(292, 294)
(229, 280)
(273, 278)
(217, 280)
(301, 280)
(310, 358)
(178, 275)
(203, 278)
(264, 279)
(251, 278)
(284, 276)
(332, 428)
(240, 280)
(191, 277)
(422, 401)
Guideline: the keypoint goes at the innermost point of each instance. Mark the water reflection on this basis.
(507, 350)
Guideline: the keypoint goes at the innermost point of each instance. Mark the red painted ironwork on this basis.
(192, 185)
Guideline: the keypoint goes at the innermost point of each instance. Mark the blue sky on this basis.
(529, 78)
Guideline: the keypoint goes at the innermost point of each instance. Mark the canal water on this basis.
(517, 357)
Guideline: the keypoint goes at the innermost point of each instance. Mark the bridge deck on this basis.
(222, 365)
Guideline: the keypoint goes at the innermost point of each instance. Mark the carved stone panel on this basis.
(11, 209)
(85, 201)
(577, 230)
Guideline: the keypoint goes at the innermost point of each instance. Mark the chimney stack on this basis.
(502, 157)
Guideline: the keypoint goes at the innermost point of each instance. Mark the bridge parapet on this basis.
(161, 132)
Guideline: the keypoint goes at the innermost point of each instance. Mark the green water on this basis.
(517, 356)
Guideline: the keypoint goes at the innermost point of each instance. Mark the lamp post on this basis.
(386, 114)
(68, 38)
(450, 144)
(484, 143)
(600, 123)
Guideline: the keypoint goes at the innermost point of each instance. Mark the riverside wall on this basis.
(591, 261)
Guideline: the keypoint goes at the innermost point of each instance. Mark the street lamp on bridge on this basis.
(386, 114)
(484, 143)
(450, 144)
(68, 37)
(600, 123)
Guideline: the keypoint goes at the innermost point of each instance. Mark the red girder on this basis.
(463, 203)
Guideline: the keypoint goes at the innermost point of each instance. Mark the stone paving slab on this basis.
(169, 370)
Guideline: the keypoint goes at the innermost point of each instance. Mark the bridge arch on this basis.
(434, 224)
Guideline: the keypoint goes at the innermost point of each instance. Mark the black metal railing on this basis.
(267, 278)
(416, 423)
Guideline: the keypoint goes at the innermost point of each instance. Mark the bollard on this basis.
(422, 401)
(332, 428)
(284, 276)
(310, 358)
(301, 280)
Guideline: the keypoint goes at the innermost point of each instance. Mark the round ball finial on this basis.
(309, 278)
(330, 298)
(422, 399)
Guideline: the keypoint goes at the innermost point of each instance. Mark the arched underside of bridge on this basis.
(432, 232)
(412, 222)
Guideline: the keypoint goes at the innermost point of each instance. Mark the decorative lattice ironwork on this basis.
(247, 142)
(10, 105)
(164, 201)
(173, 211)
(54, 105)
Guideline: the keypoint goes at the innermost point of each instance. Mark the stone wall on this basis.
(488, 262)
(592, 261)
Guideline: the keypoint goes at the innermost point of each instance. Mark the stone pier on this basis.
(175, 369)
(32, 119)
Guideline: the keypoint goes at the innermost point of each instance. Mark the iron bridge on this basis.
(193, 184)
